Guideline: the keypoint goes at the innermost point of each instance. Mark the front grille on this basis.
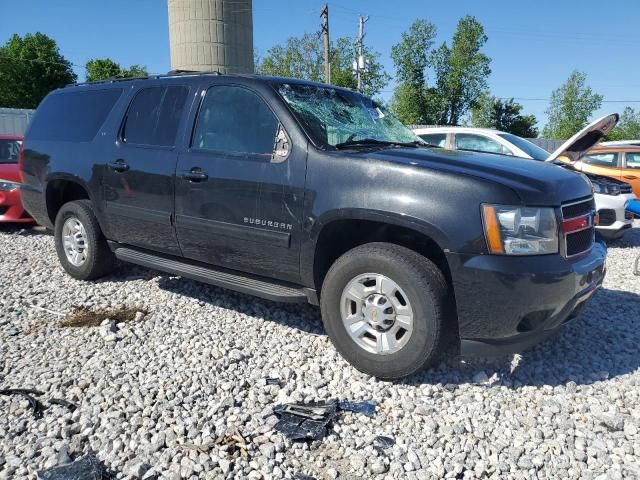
(3, 210)
(578, 209)
(607, 217)
(579, 242)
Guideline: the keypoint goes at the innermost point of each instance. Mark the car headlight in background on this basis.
(8, 186)
(604, 188)
(511, 230)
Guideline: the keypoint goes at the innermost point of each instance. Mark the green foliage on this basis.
(491, 112)
(303, 57)
(460, 71)
(570, 108)
(628, 127)
(30, 67)
(103, 68)
(411, 55)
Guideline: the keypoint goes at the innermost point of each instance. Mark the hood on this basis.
(10, 171)
(577, 146)
(536, 183)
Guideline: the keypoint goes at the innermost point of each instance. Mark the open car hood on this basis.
(577, 146)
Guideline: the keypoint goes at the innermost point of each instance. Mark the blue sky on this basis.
(534, 45)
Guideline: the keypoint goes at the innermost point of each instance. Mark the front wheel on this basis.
(80, 244)
(383, 306)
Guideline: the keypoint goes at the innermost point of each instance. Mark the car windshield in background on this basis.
(531, 149)
(9, 150)
(341, 119)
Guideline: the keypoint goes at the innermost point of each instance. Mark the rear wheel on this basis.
(81, 247)
(383, 307)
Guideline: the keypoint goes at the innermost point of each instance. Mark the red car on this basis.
(11, 209)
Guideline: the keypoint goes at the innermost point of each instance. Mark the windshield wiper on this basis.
(367, 142)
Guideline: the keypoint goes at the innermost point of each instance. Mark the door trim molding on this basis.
(232, 230)
(139, 213)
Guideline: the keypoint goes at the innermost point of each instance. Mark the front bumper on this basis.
(507, 304)
(617, 203)
(11, 209)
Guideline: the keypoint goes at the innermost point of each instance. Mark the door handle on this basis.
(119, 166)
(195, 175)
(630, 177)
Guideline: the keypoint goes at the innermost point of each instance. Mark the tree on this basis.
(491, 112)
(460, 72)
(103, 68)
(303, 57)
(30, 67)
(628, 127)
(570, 107)
(411, 58)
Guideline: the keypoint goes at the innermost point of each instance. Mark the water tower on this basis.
(211, 35)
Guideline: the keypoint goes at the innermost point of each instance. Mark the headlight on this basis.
(8, 186)
(604, 188)
(520, 230)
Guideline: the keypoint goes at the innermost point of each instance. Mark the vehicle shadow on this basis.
(25, 229)
(601, 343)
(630, 239)
(300, 316)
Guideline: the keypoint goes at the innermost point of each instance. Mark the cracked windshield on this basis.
(340, 119)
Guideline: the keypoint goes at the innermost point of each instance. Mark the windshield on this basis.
(338, 118)
(526, 146)
(9, 150)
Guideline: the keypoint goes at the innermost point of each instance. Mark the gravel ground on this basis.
(193, 370)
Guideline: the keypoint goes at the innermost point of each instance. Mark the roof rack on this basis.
(171, 73)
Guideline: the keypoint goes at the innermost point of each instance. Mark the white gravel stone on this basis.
(155, 394)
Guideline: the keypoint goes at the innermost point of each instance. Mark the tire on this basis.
(97, 259)
(419, 283)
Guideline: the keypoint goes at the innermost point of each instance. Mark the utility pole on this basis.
(361, 63)
(325, 34)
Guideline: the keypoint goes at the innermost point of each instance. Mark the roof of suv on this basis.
(616, 148)
(187, 74)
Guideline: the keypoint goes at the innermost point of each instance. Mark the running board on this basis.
(224, 279)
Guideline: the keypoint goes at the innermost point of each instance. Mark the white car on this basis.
(611, 196)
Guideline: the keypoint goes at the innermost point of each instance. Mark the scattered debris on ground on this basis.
(309, 421)
(36, 405)
(84, 468)
(85, 317)
(235, 444)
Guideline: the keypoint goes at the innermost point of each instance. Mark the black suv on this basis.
(302, 192)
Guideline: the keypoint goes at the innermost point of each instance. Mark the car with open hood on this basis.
(611, 196)
(303, 192)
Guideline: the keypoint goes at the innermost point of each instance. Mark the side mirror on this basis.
(282, 146)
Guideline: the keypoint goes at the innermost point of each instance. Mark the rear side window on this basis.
(633, 160)
(479, 143)
(602, 159)
(438, 139)
(154, 115)
(73, 116)
(235, 120)
(9, 150)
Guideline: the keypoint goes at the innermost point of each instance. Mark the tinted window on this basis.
(633, 160)
(479, 143)
(73, 116)
(154, 115)
(9, 150)
(602, 159)
(531, 149)
(439, 139)
(234, 119)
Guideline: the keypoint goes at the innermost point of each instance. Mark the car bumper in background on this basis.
(11, 209)
(507, 304)
(614, 221)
